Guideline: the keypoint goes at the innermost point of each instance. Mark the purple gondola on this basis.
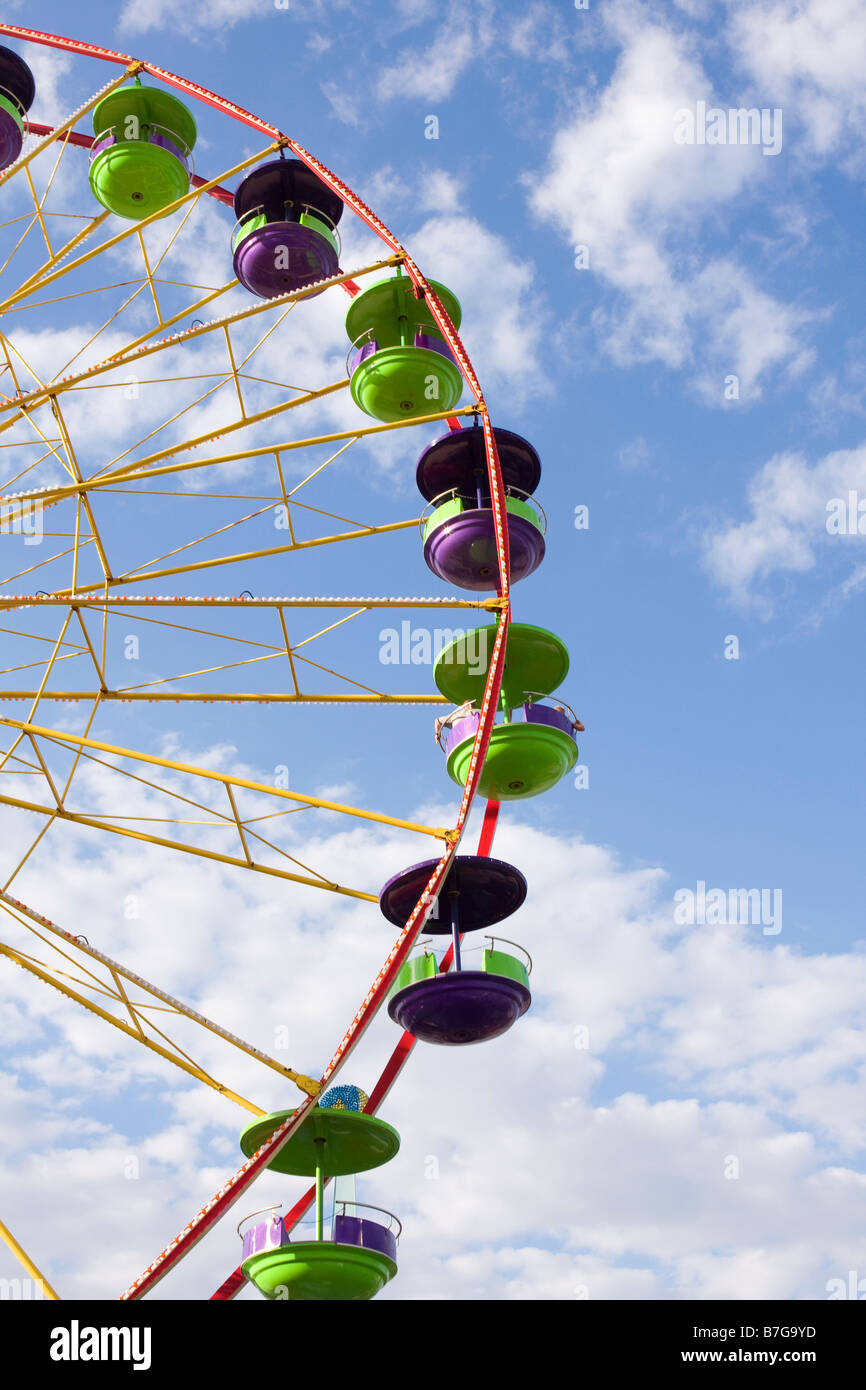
(286, 235)
(17, 93)
(460, 1006)
(458, 527)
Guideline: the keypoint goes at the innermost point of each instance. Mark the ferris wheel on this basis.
(146, 450)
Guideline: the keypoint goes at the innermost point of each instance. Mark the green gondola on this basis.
(141, 158)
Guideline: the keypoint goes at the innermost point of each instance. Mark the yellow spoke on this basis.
(208, 536)
(20, 242)
(76, 240)
(205, 671)
(235, 697)
(153, 293)
(357, 613)
(289, 655)
(376, 694)
(303, 398)
(76, 818)
(103, 685)
(112, 318)
(10, 602)
(225, 778)
(39, 217)
(132, 472)
(30, 665)
(143, 346)
(197, 565)
(40, 564)
(199, 631)
(94, 1008)
(20, 913)
(24, 1259)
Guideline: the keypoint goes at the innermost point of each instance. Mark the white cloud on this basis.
(199, 17)
(345, 106)
(809, 56)
(503, 317)
(542, 33)
(387, 191)
(617, 183)
(441, 192)
(787, 526)
(433, 72)
(51, 68)
(636, 455)
(697, 9)
(416, 11)
(755, 1050)
(835, 395)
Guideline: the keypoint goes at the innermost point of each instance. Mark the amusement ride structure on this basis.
(124, 162)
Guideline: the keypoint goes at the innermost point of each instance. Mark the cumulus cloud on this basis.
(541, 32)
(618, 184)
(503, 318)
(810, 55)
(753, 1053)
(203, 16)
(434, 71)
(441, 192)
(53, 71)
(791, 505)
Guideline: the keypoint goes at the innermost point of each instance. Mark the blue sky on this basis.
(707, 265)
